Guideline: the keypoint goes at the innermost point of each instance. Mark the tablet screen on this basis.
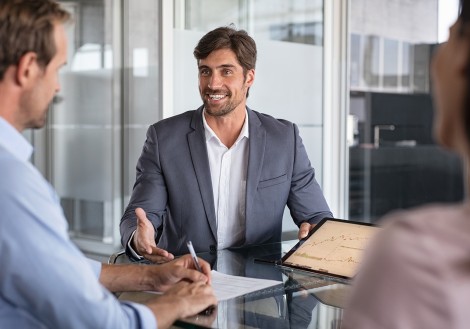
(334, 247)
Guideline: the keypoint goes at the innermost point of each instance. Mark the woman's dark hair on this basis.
(464, 12)
(464, 18)
(227, 37)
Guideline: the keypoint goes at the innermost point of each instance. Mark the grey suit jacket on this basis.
(173, 183)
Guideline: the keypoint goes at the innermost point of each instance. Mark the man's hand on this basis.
(182, 300)
(181, 269)
(304, 229)
(133, 277)
(144, 240)
(186, 290)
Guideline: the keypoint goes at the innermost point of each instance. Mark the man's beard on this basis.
(226, 109)
(221, 111)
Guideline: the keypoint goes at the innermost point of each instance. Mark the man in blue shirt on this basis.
(45, 281)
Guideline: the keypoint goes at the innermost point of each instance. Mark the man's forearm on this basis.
(126, 277)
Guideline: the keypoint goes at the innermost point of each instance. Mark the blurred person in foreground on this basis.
(416, 273)
(45, 281)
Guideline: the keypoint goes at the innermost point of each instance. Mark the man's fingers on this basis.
(158, 255)
(161, 252)
(304, 229)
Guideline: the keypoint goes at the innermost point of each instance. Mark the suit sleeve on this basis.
(149, 190)
(306, 201)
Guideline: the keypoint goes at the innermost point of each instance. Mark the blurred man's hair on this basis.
(28, 26)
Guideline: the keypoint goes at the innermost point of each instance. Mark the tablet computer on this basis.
(334, 248)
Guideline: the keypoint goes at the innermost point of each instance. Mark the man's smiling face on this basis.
(222, 83)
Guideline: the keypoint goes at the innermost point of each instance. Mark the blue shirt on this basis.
(45, 281)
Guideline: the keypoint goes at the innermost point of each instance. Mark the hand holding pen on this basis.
(194, 256)
(210, 309)
(205, 268)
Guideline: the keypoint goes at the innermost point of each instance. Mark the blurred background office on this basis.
(354, 75)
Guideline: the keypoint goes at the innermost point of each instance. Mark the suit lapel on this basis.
(198, 150)
(257, 142)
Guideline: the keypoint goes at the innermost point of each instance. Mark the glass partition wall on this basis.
(130, 64)
(394, 162)
(96, 126)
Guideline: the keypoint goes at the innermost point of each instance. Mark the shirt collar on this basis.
(209, 133)
(14, 142)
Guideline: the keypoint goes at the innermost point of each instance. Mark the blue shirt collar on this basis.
(14, 142)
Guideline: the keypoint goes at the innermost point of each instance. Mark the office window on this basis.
(390, 72)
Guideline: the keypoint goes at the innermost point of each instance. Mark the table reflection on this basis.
(300, 300)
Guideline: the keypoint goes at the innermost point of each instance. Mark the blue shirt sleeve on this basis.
(95, 266)
(45, 281)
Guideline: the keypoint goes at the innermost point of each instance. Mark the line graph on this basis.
(335, 247)
(332, 239)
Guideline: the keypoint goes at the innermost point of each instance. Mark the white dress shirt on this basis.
(228, 167)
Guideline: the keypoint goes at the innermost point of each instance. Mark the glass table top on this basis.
(301, 300)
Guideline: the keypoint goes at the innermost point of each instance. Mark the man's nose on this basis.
(215, 81)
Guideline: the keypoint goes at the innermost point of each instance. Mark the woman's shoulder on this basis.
(413, 236)
(429, 219)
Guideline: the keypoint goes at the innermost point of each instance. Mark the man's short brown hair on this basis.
(28, 25)
(227, 37)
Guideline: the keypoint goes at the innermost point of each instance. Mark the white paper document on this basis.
(230, 286)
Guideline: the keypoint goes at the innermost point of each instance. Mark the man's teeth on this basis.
(216, 97)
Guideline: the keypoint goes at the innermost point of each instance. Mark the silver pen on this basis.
(210, 309)
(193, 255)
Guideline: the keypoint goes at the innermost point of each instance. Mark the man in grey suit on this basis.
(221, 175)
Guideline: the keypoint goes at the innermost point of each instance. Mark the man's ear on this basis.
(27, 69)
(250, 77)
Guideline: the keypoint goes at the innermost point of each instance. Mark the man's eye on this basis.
(204, 72)
(227, 72)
